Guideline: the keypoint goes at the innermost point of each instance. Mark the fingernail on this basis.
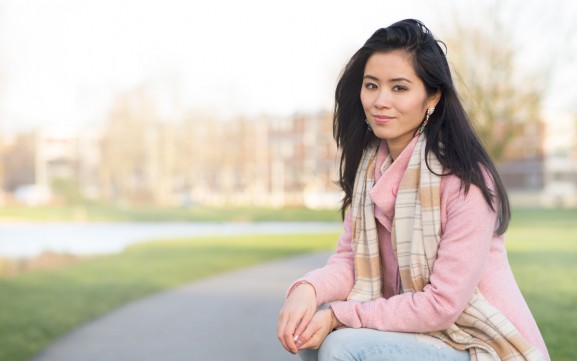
(296, 338)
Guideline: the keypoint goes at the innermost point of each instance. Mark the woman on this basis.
(420, 271)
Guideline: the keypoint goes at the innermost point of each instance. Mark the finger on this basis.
(288, 335)
(311, 342)
(282, 328)
(308, 335)
(304, 322)
(285, 331)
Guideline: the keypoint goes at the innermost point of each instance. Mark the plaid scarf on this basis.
(481, 329)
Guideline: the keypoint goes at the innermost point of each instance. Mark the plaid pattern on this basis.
(368, 274)
(481, 329)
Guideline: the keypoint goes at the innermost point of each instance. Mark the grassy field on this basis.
(542, 249)
(38, 307)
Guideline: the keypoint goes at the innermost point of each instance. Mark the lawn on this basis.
(542, 249)
(38, 307)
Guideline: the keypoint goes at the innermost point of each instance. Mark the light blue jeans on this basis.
(364, 344)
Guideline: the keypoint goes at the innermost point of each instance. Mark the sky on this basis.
(63, 62)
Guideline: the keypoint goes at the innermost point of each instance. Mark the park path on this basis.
(230, 316)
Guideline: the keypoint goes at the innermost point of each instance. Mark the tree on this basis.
(140, 150)
(124, 154)
(500, 99)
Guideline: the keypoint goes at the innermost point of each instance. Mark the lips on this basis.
(382, 119)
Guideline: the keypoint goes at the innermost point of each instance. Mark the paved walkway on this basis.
(226, 317)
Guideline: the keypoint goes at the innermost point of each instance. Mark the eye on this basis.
(370, 86)
(399, 88)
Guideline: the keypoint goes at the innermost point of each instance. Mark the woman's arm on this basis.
(335, 280)
(317, 287)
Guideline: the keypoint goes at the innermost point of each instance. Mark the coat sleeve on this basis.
(335, 280)
(462, 255)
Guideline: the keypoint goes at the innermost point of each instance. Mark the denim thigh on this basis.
(364, 344)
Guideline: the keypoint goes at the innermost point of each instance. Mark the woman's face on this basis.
(394, 98)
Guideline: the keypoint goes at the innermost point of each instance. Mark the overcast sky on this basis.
(62, 62)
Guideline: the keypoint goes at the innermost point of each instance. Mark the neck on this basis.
(396, 146)
(395, 150)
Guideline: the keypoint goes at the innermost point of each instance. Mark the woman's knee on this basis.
(308, 355)
(337, 346)
(333, 348)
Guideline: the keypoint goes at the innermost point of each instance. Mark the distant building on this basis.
(523, 167)
(33, 162)
(272, 161)
(261, 161)
(541, 166)
(561, 161)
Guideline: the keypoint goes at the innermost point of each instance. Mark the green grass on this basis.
(38, 307)
(108, 213)
(542, 247)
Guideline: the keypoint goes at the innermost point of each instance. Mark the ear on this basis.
(434, 99)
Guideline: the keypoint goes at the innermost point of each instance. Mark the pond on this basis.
(30, 239)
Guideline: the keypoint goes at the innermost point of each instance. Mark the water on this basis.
(31, 239)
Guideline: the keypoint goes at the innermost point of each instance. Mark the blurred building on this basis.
(540, 167)
(138, 158)
(561, 160)
(523, 166)
(35, 163)
(269, 161)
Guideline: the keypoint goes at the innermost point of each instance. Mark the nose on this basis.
(383, 99)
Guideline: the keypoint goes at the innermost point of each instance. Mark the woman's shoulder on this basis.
(454, 189)
(452, 183)
(461, 205)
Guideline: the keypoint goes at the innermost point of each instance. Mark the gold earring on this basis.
(430, 111)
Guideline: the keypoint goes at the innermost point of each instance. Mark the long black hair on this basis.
(450, 135)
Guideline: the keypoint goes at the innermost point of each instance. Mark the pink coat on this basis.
(470, 255)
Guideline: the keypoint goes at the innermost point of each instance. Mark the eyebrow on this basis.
(371, 77)
(400, 79)
(394, 80)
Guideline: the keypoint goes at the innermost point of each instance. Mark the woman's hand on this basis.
(298, 310)
(322, 323)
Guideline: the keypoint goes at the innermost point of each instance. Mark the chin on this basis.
(381, 135)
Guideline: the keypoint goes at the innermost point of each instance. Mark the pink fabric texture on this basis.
(470, 255)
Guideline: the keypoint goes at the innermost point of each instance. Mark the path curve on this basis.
(230, 316)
